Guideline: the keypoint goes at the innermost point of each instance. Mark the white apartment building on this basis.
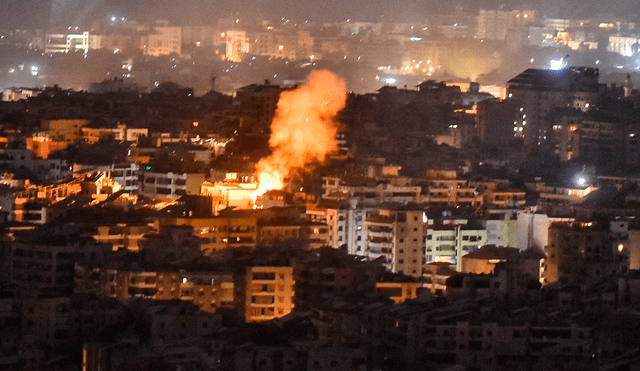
(346, 224)
(532, 229)
(450, 241)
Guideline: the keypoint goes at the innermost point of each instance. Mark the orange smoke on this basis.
(303, 130)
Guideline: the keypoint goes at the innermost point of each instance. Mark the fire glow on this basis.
(303, 130)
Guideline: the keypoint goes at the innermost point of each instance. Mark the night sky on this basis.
(36, 13)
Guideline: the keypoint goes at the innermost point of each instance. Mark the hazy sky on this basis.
(36, 13)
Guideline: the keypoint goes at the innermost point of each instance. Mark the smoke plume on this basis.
(303, 130)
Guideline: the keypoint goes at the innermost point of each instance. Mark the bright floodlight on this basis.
(556, 64)
(581, 180)
(390, 80)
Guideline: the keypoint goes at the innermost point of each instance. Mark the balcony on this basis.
(380, 234)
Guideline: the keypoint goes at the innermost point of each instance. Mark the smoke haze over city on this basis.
(36, 13)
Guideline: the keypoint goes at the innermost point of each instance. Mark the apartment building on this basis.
(537, 92)
(579, 251)
(269, 293)
(370, 191)
(170, 184)
(449, 240)
(164, 41)
(209, 291)
(443, 187)
(50, 267)
(396, 234)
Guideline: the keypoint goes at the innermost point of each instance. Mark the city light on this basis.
(556, 64)
(390, 80)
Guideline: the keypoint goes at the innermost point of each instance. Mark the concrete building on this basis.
(43, 169)
(16, 94)
(589, 140)
(237, 45)
(122, 236)
(209, 291)
(396, 234)
(537, 92)
(449, 241)
(370, 191)
(164, 41)
(65, 43)
(496, 24)
(127, 175)
(580, 252)
(273, 44)
(170, 185)
(443, 187)
(65, 130)
(532, 229)
(269, 293)
(219, 232)
(50, 268)
(502, 232)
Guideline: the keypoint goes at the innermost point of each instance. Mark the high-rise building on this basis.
(536, 92)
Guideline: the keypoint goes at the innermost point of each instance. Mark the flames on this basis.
(303, 130)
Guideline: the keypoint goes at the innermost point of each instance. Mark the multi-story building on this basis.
(589, 140)
(164, 41)
(230, 194)
(273, 44)
(65, 130)
(170, 184)
(580, 251)
(491, 344)
(268, 293)
(122, 236)
(539, 91)
(120, 133)
(50, 267)
(237, 44)
(47, 322)
(127, 175)
(396, 233)
(42, 145)
(498, 195)
(532, 229)
(494, 121)
(496, 24)
(448, 241)
(370, 191)
(43, 169)
(209, 291)
(64, 43)
(623, 45)
(113, 42)
(222, 231)
(346, 224)
(258, 103)
(444, 188)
